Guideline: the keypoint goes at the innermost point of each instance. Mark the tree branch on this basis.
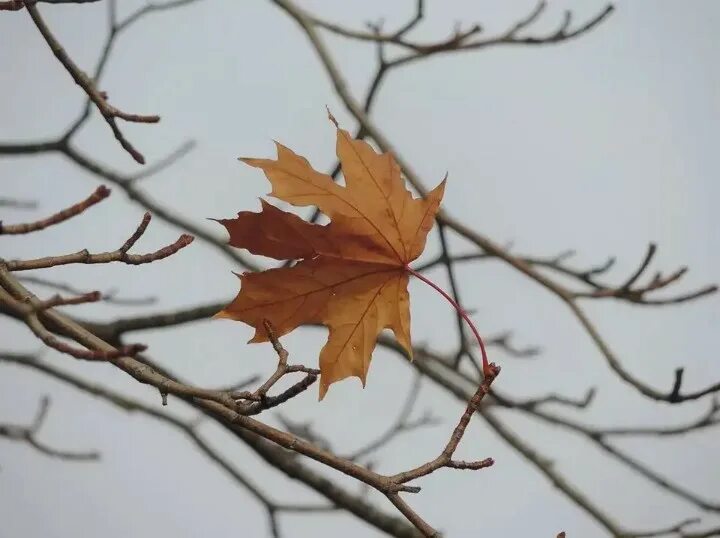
(99, 98)
(119, 255)
(28, 434)
(98, 196)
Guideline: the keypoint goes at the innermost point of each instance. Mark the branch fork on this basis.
(32, 310)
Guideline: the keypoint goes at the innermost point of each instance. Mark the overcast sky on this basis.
(601, 144)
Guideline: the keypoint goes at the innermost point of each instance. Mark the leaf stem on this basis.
(460, 310)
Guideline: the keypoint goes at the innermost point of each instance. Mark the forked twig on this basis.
(259, 398)
(29, 435)
(99, 98)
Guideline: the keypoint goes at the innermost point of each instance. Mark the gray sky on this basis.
(600, 144)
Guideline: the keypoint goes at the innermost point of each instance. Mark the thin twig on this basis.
(29, 435)
(165, 162)
(99, 195)
(463, 40)
(261, 401)
(109, 296)
(119, 255)
(445, 457)
(109, 112)
(18, 204)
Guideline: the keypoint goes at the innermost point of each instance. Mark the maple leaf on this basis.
(352, 273)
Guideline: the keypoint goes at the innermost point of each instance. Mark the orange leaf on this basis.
(352, 275)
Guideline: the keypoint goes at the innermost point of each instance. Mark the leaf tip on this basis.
(331, 117)
(439, 191)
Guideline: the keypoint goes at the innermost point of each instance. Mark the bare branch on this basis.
(504, 342)
(627, 291)
(17, 204)
(17, 5)
(165, 162)
(28, 434)
(58, 300)
(708, 419)
(261, 401)
(673, 530)
(151, 7)
(460, 40)
(460, 388)
(588, 278)
(553, 398)
(159, 211)
(221, 406)
(131, 405)
(29, 309)
(597, 437)
(445, 457)
(464, 348)
(109, 112)
(119, 255)
(109, 296)
(673, 396)
(99, 195)
(305, 430)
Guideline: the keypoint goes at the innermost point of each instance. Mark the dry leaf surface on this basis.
(352, 273)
